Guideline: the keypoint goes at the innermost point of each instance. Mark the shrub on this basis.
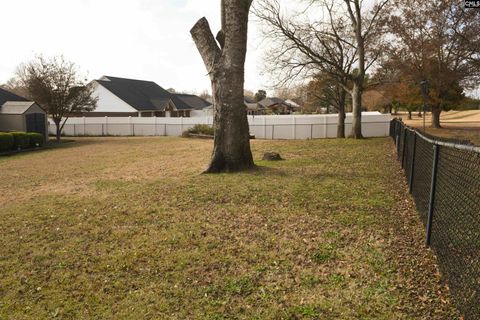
(201, 129)
(22, 140)
(36, 139)
(6, 141)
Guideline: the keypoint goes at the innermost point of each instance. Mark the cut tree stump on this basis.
(272, 156)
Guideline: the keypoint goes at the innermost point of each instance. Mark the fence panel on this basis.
(456, 226)
(455, 211)
(422, 176)
(289, 127)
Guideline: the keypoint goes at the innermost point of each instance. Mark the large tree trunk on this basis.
(226, 67)
(436, 111)
(58, 129)
(341, 124)
(358, 82)
(357, 112)
(341, 115)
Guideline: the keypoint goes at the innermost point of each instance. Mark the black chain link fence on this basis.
(444, 179)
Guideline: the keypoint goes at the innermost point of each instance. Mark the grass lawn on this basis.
(127, 228)
(471, 134)
(463, 125)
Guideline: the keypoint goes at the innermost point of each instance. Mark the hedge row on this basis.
(20, 140)
(199, 129)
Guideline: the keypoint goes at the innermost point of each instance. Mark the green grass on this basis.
(127, 228)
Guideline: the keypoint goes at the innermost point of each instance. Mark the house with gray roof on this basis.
(121, 97)
(278, 106)
(253, 107)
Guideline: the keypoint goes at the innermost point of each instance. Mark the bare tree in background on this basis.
(14, 85)
(205, 95)
(343, 45)
(56, 85)
(225, 62)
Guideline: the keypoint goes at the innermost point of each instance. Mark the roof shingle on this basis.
(9, 96)
(149, 96)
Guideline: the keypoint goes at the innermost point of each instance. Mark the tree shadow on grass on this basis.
(49, 146)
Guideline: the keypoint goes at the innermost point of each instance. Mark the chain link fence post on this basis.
(433, 184)
(412, 163)
(403, 147)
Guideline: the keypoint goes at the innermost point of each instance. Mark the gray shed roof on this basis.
(16, 107)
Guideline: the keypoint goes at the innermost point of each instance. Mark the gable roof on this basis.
(292, 103)
(267, 102)
(9, 96)
(195, 102)
(142, 95)
(249, 99)
(16, 107)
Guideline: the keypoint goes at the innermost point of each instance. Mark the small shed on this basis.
(24, 116)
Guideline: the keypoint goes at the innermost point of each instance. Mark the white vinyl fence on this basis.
(291, 127)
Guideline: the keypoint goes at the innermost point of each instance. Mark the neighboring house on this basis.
(19, 114)
(194, 101)
(295, 106)
(253, 107)
(278, 106)
(119, 97)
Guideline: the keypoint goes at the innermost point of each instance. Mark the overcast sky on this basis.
(140, 39)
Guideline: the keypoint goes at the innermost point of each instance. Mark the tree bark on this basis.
(358, 81)
(357, 111)
(58, 130)
(226, 68)
(436, 111)
(341, 115)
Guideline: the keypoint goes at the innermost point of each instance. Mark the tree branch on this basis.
(206, 44)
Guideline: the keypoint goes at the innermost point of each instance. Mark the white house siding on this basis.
(292, 127)
(108, 102)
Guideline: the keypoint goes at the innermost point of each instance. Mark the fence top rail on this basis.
(471, 148)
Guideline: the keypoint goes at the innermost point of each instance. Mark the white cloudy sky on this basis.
(141, 39)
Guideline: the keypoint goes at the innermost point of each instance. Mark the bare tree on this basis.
(15, 86)
(205, 95)
(344, 44)
(437, 41)
(57, 86)
(225, 62)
